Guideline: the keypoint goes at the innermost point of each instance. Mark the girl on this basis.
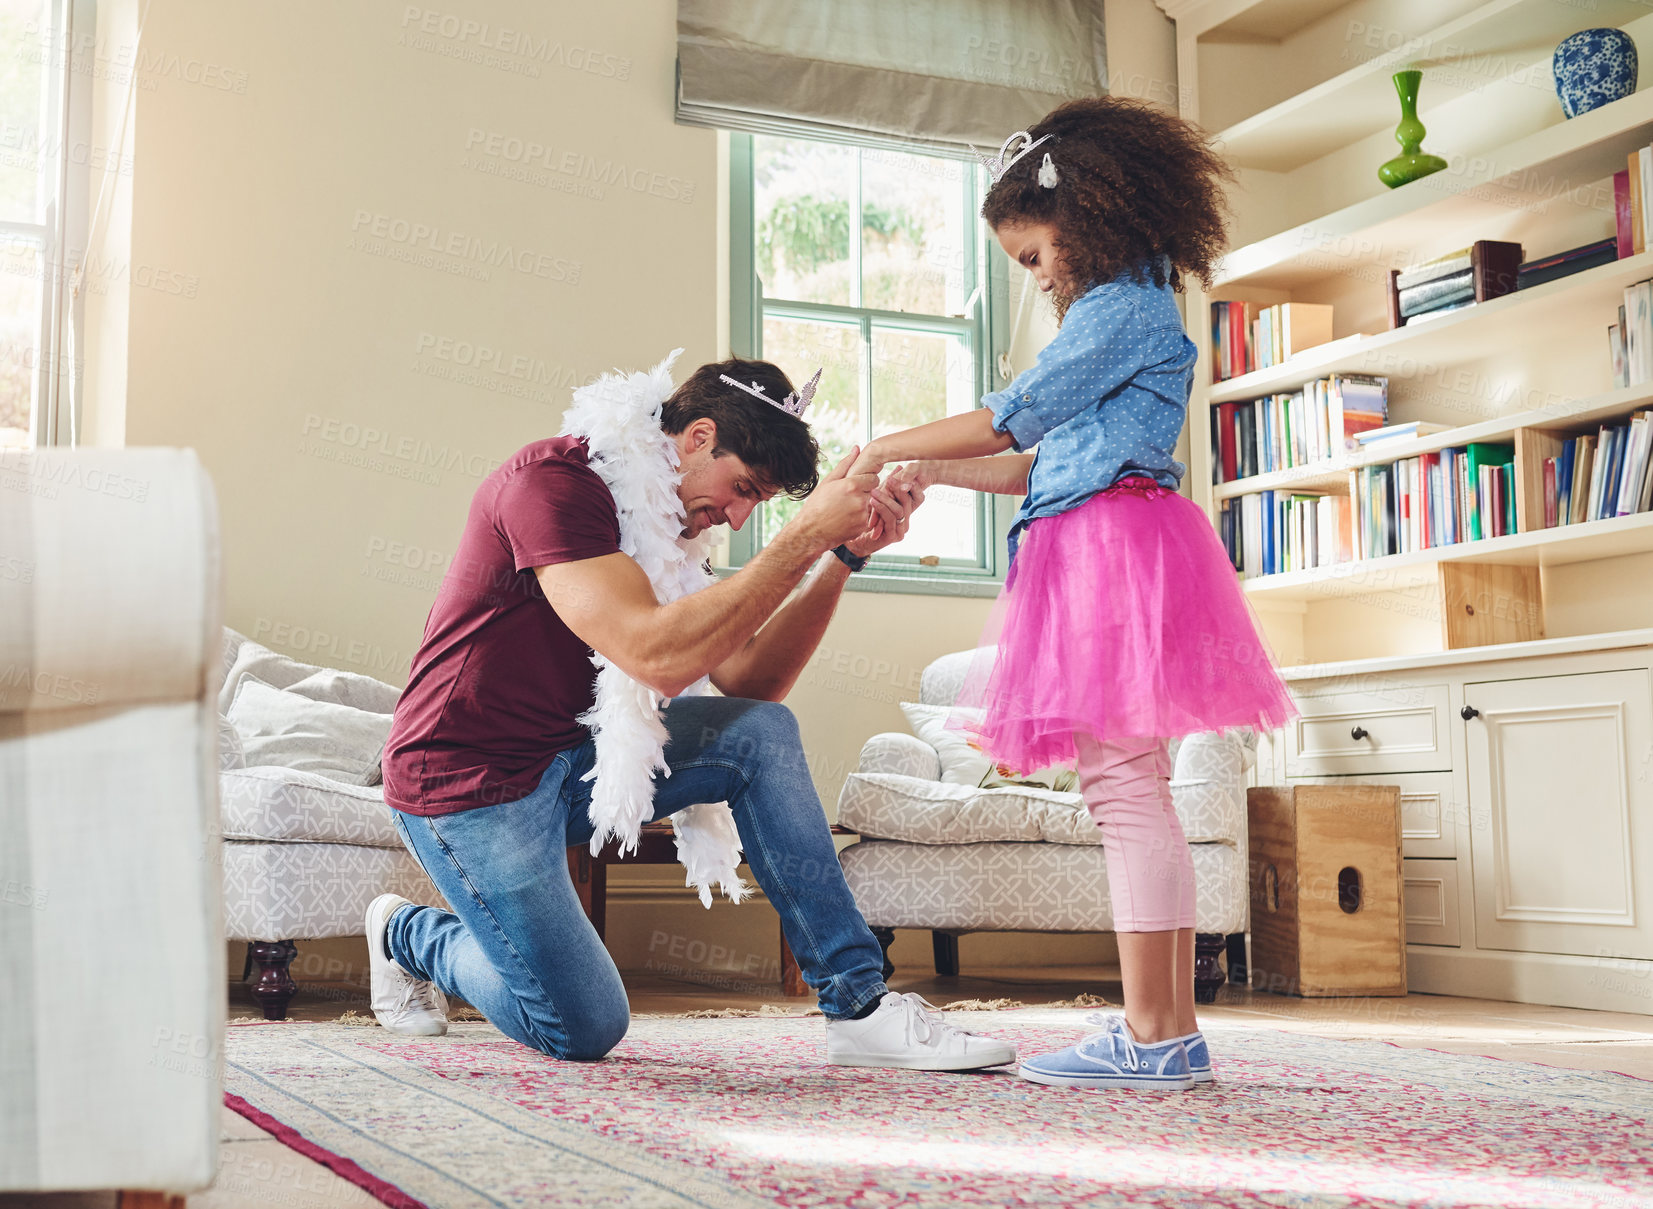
(1121, 623)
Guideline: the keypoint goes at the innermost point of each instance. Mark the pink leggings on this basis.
(1126, 784)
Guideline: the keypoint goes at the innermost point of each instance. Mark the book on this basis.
(1611, 466)
(1462, 294)
(1438, 287)
(1624, 238)
(1583, 470)
(1437, 312)
(1295, 327)
(1635, 466)
(1363, 404)
(1638, 330)
(1392, 432)
(1633, 176)
(1550, 501)
(1598, 473)
(1565, 264)
(1615, 350)
(1645, 495)
(1643, 163)
(1480, 458)
(1231, 352)
(1564, 483)
(1228, 457)
(1429, 270)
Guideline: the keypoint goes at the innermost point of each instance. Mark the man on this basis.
(486, 763)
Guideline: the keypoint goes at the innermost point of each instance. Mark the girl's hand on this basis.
(872, 460)
(893, 506)
(912, 476)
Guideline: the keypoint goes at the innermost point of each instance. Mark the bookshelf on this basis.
(1451, 208)
(1526, 369)
(1565, 415)
(1359, 101)
(1504, 684)
(1460, 338)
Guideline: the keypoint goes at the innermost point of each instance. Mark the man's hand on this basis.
(893, 505)
(839, 509)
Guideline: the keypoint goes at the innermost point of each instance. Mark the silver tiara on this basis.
(793, 405)
(999, 164)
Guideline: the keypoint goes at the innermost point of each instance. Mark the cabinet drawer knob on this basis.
(1468, 712)
(1358, 732)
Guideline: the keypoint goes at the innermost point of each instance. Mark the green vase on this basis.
(1412, 162)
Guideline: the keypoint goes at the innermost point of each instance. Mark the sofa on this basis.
(111, 932)
(955, 858)
(308, 839)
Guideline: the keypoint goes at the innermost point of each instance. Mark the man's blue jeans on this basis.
(517, 945)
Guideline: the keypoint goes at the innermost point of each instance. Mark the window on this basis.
(871, 264)
(43, 185)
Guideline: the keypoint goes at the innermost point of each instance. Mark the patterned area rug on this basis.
(742, 1113)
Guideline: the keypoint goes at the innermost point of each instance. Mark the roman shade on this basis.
(903, 72)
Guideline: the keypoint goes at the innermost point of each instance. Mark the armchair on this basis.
(957, 859)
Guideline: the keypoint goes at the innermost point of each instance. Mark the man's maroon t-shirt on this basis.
(499, 679)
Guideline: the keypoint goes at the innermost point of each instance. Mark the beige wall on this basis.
(357, 247)
(322, 356)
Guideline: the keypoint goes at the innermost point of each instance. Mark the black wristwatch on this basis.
(852, 561)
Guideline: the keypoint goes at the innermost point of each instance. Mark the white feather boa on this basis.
(618, 416)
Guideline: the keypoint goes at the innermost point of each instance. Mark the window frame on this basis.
(989, 334)
(67, 123)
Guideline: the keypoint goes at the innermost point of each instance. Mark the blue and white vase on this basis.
(1594, 67)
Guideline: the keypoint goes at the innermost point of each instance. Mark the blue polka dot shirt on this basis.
(1107, 398)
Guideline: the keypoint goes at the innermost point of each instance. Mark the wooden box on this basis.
(1326, 891)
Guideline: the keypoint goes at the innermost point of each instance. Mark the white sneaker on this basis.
(909, 1033)
(403, 1004)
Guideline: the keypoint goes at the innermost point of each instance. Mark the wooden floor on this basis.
(258, 1171)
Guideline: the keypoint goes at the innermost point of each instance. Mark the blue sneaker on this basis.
(1113, 1058)
(1199, 1057)
(1199, 1054)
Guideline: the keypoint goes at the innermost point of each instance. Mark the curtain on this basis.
(941, 74)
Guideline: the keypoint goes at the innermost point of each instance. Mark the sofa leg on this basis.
(885, 938)
(1208, 971)
(275, 988)
(1239, 969)
(946, 946)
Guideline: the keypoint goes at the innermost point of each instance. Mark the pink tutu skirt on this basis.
(1121, 618)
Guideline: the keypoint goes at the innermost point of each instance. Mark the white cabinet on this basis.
(1431, 890)
(1396, 728)
(1526, 779)
(1562, 794)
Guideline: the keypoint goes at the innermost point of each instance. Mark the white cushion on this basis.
(905, 754)
(921, 811)
(942, 680)
(1208, 787)
(283, 728)
(1020, 887)
(962, 763)
(347, 688)
(244, 657)
(230, 754)
(313, 891)
(268, 803)
(894, 807)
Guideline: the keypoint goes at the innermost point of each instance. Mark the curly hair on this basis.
(1135, 182)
